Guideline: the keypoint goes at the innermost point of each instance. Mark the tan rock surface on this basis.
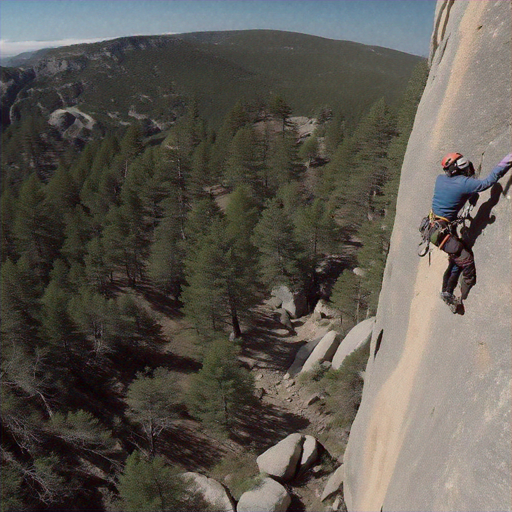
(434, 428)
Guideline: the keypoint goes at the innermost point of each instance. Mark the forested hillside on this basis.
(152, 78)
(198, 226)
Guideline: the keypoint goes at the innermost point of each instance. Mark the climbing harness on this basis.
(437, 230)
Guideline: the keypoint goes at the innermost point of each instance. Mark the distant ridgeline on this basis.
(152, 78)
(207, 213)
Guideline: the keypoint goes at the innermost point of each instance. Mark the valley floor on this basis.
(268, 350)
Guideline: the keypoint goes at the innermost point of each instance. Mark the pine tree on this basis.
(205, 295)
(7, 216)
(98, 265)
(309, 149)
(125, 241)
(315, 229)
(238, 117)
(31, 142)
(165, 263)
(280, 162)
(102, 183)
(21, 291)
(274, 238)
(372, 259)
(376, 232)
(82, 165)
(280, 108)
(334, 133)
(358, 170)
(243, 165)
(96, 321)
(222, 389)
(78, 231)
(241, 255)
(37, 233)
(130, 146)
(153, 486)
(56, 326)
(149, 180)
(349, 297)
(83, 433)
(201, 175)
(61, 191)
(152, 401)
(203, 213)
(221, 268)
(12, 481)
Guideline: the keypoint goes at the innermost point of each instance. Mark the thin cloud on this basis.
(11, 48)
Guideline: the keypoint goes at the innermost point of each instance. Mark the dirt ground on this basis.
(268, 350)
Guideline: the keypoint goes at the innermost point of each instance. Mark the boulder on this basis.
(61, 119)
(212, 492)
(357, 337)
(324, 351)
(337, 503)
(314, 399)
(274, 302)
(269, 496)
(309, 453)
(284, 320)
(302, 354)
(294, 302)
(359, 272)
(334, 483)
(323, 310)
(281, 460)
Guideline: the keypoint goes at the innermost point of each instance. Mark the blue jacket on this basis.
(450, 193)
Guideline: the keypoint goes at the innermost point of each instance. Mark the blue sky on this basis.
(25, 25)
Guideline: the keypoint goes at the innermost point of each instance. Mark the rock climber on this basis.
(451, 191)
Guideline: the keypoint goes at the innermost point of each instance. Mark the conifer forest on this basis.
(198, 223)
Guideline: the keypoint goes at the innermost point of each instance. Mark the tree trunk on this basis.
(237, 332)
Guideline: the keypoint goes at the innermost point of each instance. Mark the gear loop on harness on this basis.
(436, 230)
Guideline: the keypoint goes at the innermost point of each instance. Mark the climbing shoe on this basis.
(451, 300)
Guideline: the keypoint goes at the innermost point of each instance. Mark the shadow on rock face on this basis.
(484, 216)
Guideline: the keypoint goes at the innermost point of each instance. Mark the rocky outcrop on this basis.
(11, 83)
(300, 358)
(285, 321)
(71, 123)
(293, 302)
(269, 496)
(324, 351)
(323, 310)
(334, 483)
(309, 453)
(433, 431)
(213, 492)
(357, 337)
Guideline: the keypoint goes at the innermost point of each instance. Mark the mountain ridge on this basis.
(170, 70)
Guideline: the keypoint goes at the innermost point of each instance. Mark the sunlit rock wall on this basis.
(433, 431)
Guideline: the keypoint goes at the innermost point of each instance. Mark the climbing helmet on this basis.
(454, 163)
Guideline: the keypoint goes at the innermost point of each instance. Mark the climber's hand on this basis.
(507, 161)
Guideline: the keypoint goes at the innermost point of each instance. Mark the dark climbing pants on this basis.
(460, 260)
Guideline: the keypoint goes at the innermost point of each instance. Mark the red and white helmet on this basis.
(455, 163)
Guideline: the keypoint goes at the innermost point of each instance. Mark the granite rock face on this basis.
(433, 431)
